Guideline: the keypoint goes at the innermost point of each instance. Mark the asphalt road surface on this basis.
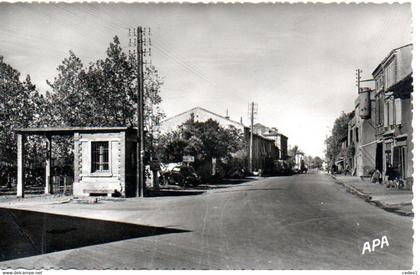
(298, 222)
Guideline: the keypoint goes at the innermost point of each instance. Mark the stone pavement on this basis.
(390, 199)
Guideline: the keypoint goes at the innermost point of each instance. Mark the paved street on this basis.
(298, 222)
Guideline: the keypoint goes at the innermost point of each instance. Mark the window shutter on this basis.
(391, 112)
(386, 114)
(398, 111)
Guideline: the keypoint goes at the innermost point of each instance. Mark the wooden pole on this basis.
(140, 115)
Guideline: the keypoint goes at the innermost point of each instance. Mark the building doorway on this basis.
(379, 157)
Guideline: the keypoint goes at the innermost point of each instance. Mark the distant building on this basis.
(264, 148)
(272, 133)
(199, 114)
(393, 112)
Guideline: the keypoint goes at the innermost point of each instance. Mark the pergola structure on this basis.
(119, 137)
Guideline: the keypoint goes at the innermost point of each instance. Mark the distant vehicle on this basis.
(180, 175)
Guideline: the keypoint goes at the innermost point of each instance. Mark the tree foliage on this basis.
(104, 93)
(339, 131)
(20, 106)
(101, 94)
(203, 140)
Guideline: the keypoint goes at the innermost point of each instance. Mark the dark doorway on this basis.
(379, 157)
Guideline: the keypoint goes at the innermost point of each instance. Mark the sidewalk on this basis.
(389, 199)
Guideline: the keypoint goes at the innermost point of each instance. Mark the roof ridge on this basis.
(205, 110)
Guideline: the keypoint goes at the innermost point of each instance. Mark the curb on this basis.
(395, 208)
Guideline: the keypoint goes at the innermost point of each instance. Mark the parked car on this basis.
(181, 175)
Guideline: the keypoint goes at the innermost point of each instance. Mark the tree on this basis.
(203, 140)
(317, 162)
(104, 93)
(339, 131)
(20, 106)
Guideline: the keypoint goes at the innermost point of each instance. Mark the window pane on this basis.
(100, 156)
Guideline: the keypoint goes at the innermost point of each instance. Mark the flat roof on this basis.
(71, 130)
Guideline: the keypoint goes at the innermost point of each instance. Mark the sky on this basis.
(297, 62)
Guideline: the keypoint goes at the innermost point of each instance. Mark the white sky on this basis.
(297, 62)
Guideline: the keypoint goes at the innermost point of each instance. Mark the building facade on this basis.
(380, 134)
(280, 140)
(361, 134)
(394, 105)
(105, 163)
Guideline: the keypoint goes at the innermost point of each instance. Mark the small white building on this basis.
(104, 159)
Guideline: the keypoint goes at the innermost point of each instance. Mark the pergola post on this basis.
(48, 185)
(20, 165)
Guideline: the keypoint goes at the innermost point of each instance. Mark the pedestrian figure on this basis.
(376, 177)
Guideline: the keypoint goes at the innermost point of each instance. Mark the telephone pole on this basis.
(251, 112)
(140, 115)
(358, 78)
(143, 47)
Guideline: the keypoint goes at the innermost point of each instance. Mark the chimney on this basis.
(241, 121)
(227, 114)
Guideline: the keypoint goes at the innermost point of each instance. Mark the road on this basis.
(298, 222)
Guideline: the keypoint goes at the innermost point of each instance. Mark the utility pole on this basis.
(140, 115)
(140, 42)
(358, 78)
(251, 112)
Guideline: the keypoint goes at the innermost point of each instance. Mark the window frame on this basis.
(93, 169)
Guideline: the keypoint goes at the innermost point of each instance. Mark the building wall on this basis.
(362, 134)
(394, 110)
(87, 182)
(200, 114)
(264, 150)
(283, 147)
(272, 133)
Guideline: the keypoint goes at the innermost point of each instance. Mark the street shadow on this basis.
(27, 233)
(252, 189)
(172, 193)
(224, 183)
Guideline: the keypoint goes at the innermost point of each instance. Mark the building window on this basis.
(391, 112)
(390, 74)
(356, 133)
(100, 156)
(379, 82)
(386, 114)
(398, 111)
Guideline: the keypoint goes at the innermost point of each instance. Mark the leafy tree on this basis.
(339, 131)
(20, 106)
(104, 93)
(292, 153)
(317, 162)
(203, 140)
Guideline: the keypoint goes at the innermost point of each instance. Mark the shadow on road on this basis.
(172, 193)
(27, 233)
(224, 183)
